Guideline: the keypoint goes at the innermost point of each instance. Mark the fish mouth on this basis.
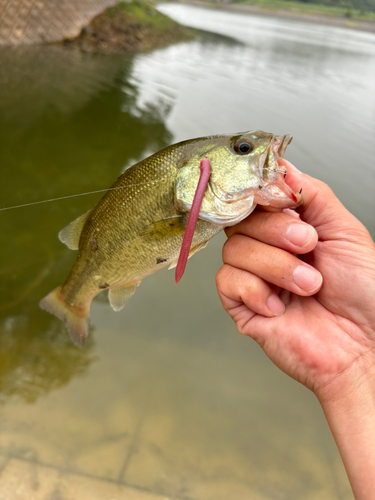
(268, 164)
(274, 191)
(280, 143)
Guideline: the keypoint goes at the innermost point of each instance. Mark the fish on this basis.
(137, 228)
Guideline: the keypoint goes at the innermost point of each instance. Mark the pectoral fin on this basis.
(71, 234)
(118, 297)
(191, 253)
(197, 248)
(165, 228)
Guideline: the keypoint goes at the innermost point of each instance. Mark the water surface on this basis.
(167, 397)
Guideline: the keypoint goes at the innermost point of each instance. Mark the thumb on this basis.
(321, 209)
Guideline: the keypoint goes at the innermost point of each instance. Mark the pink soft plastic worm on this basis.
(193, 217)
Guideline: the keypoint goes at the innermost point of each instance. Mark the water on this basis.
(166, 397)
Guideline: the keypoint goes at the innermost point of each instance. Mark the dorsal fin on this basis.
(71, 234)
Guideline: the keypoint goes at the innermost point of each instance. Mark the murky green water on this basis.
(166, 396)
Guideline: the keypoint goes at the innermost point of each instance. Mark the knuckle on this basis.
(266, 220)
(222, 277)
(324, 187)
(276, 257)
(231, 246)
(270, 224)
(323, 194)
(246, 286)
(326, 192)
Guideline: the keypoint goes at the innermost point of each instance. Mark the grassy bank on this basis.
(299, 11)
(131, 26)
(308, 8)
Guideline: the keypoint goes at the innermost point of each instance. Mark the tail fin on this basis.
(75, 318)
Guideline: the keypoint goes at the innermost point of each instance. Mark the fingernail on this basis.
(300, 234)
(307, 278)
(275, 305)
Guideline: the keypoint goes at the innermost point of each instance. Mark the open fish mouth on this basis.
(279, 144)
(269, 169)
(274, 191)
(276, 151)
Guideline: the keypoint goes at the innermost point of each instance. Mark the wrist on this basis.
(348, 403)
(356, 383)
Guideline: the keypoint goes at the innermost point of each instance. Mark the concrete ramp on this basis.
(31, 22)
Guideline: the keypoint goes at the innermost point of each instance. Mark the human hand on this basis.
(324, 333)
(314, 316)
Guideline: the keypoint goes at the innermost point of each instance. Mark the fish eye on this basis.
(242, 147)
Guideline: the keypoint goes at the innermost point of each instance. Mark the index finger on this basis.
(279, 230)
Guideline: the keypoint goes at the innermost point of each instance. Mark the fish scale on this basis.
(138, 226)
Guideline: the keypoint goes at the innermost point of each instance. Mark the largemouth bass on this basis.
(138, 226)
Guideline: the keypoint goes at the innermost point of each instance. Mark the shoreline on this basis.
(338, 21)
(130, 26)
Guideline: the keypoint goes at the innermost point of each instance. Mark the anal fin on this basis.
(118, 297)
(71, 234)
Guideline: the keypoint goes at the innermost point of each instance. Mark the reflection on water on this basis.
(37, 357)
(38, 80)
(166, 396)
(62, 112)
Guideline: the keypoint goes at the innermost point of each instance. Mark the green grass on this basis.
(311, 8)
(132, 26)
(142, 13)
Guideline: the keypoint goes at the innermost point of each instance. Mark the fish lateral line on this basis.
(193, 218)
(81, 194)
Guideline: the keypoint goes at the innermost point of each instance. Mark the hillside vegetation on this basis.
(362, 9)
(131, 26)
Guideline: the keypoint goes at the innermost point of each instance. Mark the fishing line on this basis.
(81, 194)
(106, 190)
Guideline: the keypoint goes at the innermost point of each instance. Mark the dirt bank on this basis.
(130, 26)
